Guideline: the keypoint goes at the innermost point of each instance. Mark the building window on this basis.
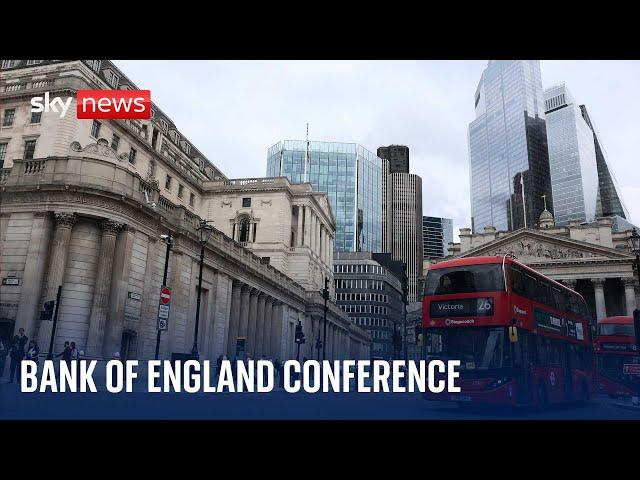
(3, 153)
(167, 182)
(154, 138)
(112, 79)
(192, 199)
(29, 149)
(9, 63)
(180, 191)
(243, 230)
(151, 173)
(94, 64)
(115, 142)
(33, 62)
(9, 116)
(164, 125)
(246, 202)
(95, 128)
(132, 156)
(36, 117)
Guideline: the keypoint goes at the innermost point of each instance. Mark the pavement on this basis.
(279, 404)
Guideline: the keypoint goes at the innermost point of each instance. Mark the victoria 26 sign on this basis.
(164, 307)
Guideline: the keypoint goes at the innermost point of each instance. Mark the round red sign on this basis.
(165, 295)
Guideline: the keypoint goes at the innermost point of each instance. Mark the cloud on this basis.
(232, 111)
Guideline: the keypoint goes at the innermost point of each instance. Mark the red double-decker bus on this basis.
(617, 357)
(522, 338)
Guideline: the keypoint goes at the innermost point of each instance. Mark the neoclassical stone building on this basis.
(593, 259)
(83, 206)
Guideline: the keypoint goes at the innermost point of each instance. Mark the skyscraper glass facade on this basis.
(437, 233)
(572, 158)
(350, 175)
(609, 202)
(508, 147)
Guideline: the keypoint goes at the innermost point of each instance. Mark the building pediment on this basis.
(532, 246)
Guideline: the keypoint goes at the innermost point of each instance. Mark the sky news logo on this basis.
(102, 104)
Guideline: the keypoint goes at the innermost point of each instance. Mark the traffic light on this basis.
(47, 313)
(636, 324)
(299, 334)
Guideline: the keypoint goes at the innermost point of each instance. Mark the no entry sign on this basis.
(164, 307)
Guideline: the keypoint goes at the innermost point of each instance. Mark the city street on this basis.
(275, 405)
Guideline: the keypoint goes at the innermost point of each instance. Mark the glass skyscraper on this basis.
(437, 233)
(350, 175)
(509, 161)
(572, 158)
(609, 202)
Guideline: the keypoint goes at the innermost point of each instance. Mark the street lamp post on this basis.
(169, 241)
(325, 295)
(204, 232)
(404, 311)
(634, 244)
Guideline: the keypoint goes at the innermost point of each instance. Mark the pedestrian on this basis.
(219, 364)
(3, 355)
(23, 340)
(66, 353)
(33, 351)
(75, 353)
(16, 354)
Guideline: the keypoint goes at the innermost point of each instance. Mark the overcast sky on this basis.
(232, 111)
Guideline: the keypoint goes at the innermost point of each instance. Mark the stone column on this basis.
(320, 244)
(244, 312)
(100, 305)
(300, 234)
(601, 308)
(318, 236)
(234, 322)
(259, 326)
(64, 222)
(268, 321)
(31, 292)
(630, 295)
(312, 230)
(276, 329)
(221, 315)
(307, 226)
(251, 327)
(121, 267)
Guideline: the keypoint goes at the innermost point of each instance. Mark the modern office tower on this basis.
(398, 156)
(609, 202)
(350, 175)
(572, 158)
(437, 232)
(369, 290)
(509, 161)
(404, 216)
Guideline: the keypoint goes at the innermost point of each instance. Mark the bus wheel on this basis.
(541, 393)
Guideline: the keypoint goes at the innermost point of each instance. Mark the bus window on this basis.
(464, 279)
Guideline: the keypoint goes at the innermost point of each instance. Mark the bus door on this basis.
(523, 358)
(567, 371)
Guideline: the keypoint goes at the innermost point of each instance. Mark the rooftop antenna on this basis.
(544, 197)
(307, 158)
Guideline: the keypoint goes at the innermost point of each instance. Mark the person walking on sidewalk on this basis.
(16, 354)
(66, 353)
(3, 356)
(33, 351)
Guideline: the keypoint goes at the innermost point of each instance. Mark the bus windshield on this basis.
(464, 279)
(476, 348)
(616, 329)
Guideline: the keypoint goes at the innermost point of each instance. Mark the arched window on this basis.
(243, 229)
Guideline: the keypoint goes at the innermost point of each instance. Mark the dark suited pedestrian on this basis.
(16, 353)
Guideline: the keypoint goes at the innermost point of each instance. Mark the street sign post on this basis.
(164, 308)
